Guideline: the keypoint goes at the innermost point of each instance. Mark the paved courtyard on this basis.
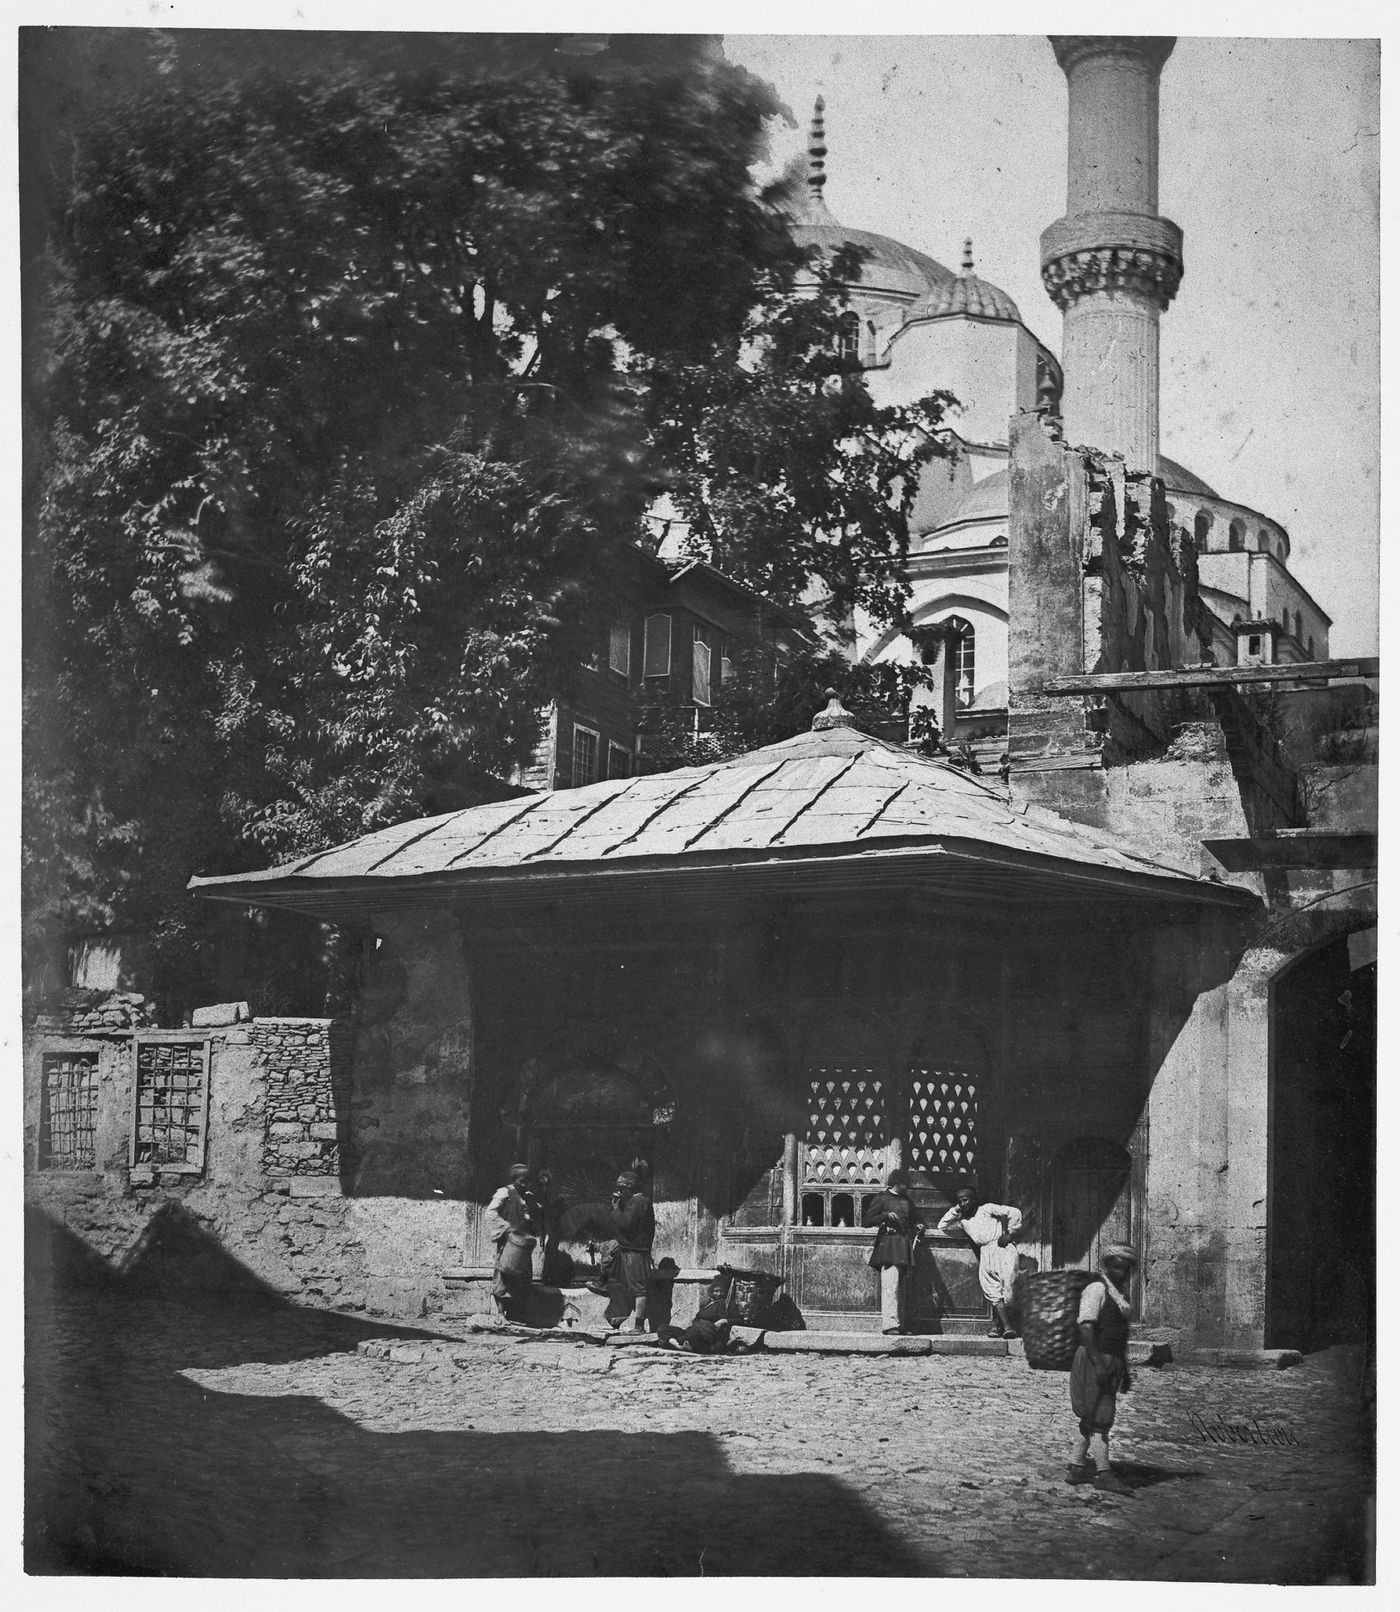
(173, 1437)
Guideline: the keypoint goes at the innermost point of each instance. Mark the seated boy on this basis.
(708, 1333)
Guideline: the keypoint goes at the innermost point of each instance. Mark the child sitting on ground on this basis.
(708, 1333)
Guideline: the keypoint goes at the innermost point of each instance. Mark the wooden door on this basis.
(1091, 1191)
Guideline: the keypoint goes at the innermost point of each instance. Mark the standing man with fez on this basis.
(1100, 1370)
(898, 1224)
(634, 1222)
(512, 1222)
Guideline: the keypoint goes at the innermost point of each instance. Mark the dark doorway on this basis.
(1322, 1149)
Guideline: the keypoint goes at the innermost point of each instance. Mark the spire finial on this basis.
(816, 150)
(967, 255)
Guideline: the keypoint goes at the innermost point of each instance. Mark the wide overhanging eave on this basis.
(966, 871)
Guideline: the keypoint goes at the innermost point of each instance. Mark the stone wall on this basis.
(304, 1128)
(269, 1208)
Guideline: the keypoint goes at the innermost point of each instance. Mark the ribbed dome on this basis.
(888, 264)
(965, 294)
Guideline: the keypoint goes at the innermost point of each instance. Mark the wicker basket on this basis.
(1049, 1305)
(749, 1295)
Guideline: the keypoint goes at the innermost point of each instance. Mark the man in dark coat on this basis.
(1100, 1369)
(898, 1224)
(634, 1223)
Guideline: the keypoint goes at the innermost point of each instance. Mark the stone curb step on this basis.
(1142, 1352)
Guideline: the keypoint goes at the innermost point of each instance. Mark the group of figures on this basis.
(514, 1223)
(1098, 1374)
(898, 1227)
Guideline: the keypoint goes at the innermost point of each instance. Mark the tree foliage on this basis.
(354, 365)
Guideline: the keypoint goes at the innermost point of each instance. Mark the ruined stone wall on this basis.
(272, 1205)
(1098, 582)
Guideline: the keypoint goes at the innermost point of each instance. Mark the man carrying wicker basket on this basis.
(1100, 1369)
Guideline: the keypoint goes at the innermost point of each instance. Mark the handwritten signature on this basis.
(1249, 1431)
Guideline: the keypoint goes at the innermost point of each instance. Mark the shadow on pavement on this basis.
(1142, 1476)
(132, 1469)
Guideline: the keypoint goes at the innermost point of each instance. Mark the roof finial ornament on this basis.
(834, 716)
(967, 256)
(816, 150)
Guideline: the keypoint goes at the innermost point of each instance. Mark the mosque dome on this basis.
(888, 265)
(965, 294)
(990, 498)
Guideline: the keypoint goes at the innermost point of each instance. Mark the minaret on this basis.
(1111, 264)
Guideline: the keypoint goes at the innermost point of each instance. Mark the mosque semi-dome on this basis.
(965, 293)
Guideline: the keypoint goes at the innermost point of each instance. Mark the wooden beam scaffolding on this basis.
(1316, 673)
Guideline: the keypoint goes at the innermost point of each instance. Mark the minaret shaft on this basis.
(1111, 263)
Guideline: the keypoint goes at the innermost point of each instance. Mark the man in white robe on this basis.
(992, 1227)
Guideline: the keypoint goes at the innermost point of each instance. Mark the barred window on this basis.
(619, 761)
(846, 1144)
(68, 1111)
(172, 1100)
(943, 1123)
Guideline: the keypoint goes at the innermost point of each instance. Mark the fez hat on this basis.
(1118, 1251)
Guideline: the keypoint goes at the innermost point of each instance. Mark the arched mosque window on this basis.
(962, 649)
(848, 337)
(1202, 530)
(1236, 537)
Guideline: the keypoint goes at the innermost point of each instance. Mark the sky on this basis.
(1269, 163)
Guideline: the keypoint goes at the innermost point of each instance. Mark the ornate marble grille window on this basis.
(943, 1123)
(172, 1101)
(846, 1144)
(68, 1111)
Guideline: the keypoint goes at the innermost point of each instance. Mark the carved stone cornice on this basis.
(1138, 271)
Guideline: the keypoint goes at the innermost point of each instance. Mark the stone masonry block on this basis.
(315, 1186)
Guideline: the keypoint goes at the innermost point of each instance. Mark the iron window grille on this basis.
(171, 1108)
(68, 1111)
(846, 1145)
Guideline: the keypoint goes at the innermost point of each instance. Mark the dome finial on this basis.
(967, 256)
(816, 150)
(834, 716)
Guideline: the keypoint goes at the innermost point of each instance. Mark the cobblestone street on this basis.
(178, 1438)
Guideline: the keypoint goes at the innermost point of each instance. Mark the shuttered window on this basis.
(700, 668)
(656, 649)
(620, 648)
